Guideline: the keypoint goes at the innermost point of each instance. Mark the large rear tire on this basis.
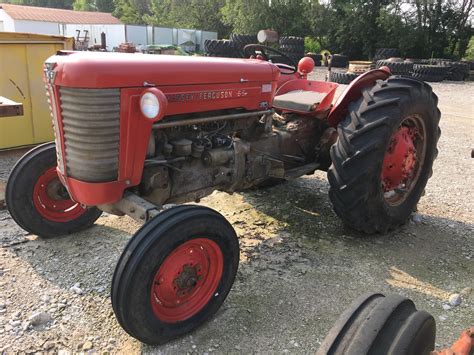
(384, 154)
(175, 273)
(37, 200)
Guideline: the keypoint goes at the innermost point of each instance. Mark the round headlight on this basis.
(149, 105)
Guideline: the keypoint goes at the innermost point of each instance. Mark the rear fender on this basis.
(353, 92)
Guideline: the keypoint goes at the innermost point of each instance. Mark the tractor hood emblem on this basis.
(49, 72)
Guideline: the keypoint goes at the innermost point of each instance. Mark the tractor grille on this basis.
(91, 126)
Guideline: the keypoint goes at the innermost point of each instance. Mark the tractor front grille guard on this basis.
(90, 120)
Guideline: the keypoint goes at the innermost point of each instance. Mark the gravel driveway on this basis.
(300, 268)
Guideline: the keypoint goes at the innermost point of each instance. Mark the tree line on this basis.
(418, 28)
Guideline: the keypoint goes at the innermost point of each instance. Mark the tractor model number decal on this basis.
(206, 95)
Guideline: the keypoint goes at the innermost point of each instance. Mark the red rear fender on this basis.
(354, 92)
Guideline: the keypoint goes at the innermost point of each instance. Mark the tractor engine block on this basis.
(188, 163)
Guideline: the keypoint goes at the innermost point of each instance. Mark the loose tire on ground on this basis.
(375, 324)
(175, 273)
(384, 118)
(38, 202)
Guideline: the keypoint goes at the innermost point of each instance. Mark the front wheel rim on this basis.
(403, 160)
(52, 201)
(187, 280)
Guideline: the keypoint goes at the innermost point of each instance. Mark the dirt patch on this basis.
(300, 267)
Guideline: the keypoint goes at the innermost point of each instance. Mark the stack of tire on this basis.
(429, 72)
(221, 48)
(341, 77)
(386, 53)
(457, 71)
(356, 68)
(293, 47)
(317, 58)
(240, 41)
(397, 66)
(339, 61)
(417, 61)
(471, 70)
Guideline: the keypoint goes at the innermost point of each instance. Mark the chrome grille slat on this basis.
(91, 146)
(91, 126)
(73, 122)
(103, 111)
(79, 132)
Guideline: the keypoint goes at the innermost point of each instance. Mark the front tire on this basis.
(175, 273)
(384, 154)
(375, 324)
(37, 200)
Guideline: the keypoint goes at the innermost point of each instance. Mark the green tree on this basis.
(247, 16)
(105, 5)
(199, 14)
(469, 55)
(289, 18)
(84, 5)
(319, 22)
(127, 12)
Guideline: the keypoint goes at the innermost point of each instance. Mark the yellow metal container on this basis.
(21, 66)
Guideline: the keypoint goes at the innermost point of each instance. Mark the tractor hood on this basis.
(120, 70)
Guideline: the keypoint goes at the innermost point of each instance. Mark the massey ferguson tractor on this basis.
(138, 135)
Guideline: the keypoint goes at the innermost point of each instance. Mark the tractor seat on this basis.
(299, 100)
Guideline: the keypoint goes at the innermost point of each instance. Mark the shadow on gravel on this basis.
(87, 257)
(433, 249)
(301, 267)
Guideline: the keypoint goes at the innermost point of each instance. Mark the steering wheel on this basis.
(255, 50)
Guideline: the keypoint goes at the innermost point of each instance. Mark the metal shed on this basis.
(21, 68)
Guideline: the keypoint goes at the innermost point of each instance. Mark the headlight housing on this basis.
(153, 104)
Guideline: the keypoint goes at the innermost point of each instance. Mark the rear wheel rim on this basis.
(187, 280)
(403, 160)
(52, 200)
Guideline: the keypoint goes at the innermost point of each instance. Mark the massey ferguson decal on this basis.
(210, 95)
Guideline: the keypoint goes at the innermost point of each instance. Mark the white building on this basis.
(41, 20)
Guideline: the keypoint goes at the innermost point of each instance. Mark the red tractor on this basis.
(137, 134)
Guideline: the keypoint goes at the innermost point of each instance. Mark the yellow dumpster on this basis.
(21, 65)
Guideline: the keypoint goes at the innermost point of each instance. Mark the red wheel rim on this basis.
(52, 201)
(187, 280)
(403, 160)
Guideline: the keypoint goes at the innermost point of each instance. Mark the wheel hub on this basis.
(52, 201)
(400, 159)
(187, 280)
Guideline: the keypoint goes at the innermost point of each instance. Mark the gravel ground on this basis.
(300, 268)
